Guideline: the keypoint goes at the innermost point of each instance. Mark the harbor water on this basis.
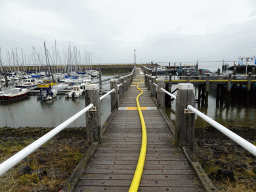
(33, 113)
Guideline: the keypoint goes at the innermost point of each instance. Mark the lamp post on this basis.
(247, 59)
(134, 58)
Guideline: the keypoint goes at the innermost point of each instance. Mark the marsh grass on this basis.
(52, 163)
(245, 178)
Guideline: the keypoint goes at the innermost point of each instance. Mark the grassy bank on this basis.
(229, 166)
(46, 169)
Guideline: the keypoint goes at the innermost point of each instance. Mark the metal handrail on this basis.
(12, 161)
(239, 140)
(119, 84)
(168, 93)
(103, 96)
(155, 84)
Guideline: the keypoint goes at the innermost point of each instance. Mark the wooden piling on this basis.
(149, 82)
(160, 94)
(100, 78)
(121, 88)
(249, 86)
(153, 93)
(185, 121)
(207, 88)
(188, 78)
(229, 82)
(114, 95)
(93, 116)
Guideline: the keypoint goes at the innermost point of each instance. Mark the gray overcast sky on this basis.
(162, 30)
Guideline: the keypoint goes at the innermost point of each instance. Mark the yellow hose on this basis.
(143, 150)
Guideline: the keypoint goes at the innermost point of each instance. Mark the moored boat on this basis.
(13, 94)
(47, 84)
(47, 94)
(75, 92)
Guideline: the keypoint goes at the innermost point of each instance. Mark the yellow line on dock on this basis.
(143, 150)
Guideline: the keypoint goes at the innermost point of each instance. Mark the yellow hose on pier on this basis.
(143, 150)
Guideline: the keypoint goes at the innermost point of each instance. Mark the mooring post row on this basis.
(160, 94)
(185, 120)
(114, 95)
(153, 93)
(93, 116)
(121, 88)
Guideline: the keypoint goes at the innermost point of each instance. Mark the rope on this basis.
(139, 169)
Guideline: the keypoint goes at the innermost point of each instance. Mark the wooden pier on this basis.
(112, 165)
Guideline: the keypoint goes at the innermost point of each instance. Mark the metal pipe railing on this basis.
(103, 96)
(239, 140)
(12, 161)
(119, 84)
(168, 93)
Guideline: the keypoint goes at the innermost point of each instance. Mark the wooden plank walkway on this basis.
(112, 166)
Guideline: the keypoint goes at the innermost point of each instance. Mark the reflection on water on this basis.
(236, 114)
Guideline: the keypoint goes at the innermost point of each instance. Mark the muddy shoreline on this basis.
(46, 169)
(228, 165)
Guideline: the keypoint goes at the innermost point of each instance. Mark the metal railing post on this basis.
(93, 116)
(185, 121)
(160, 94)
(114, 96)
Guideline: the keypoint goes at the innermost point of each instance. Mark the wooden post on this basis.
(207, 88)
(229, 82)
(153, 93)
(146, 80)
(168, 99)
(121, 88)
(188, 78)
(199, 94)
(234, 73)
(125, 83)
(170, 82)
(150, 71)
(160, 94)
(114, 95)
(218, 73)
(197, 68)
(149, 82)
(100, 78)
(93, 116)
(249, 86)
(185, 122)
(200, 73)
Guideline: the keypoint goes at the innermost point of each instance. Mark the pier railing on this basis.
(224, 84)
(185, 115)
(93, 118)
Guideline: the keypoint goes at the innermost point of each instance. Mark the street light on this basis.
(247, 58)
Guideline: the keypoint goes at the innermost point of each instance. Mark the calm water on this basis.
(237, 114)
(33, 113)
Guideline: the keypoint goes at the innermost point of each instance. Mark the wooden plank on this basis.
(123, 183)
(147, 177)
(115, 160)
(125, 189)
(145, 172)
